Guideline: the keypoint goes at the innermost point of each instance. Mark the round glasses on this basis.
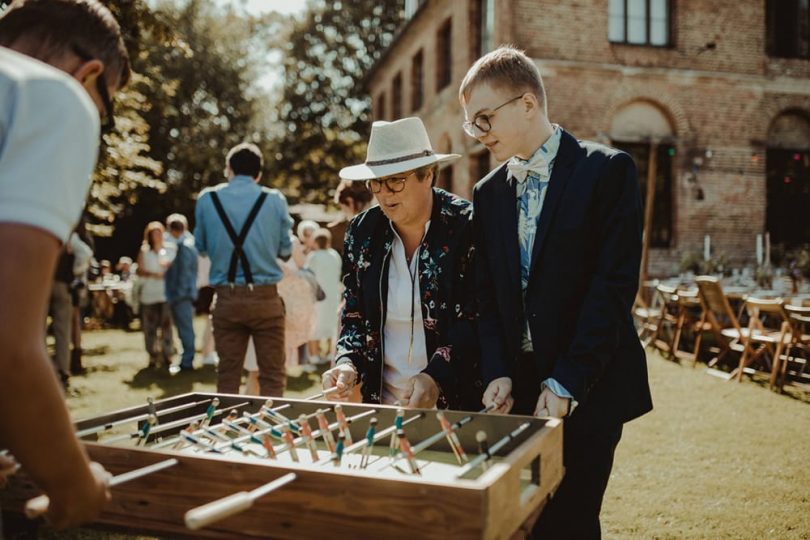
(394, 184)
(483, 121)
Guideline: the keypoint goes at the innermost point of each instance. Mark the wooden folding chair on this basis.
(646, 317)
(799, 340)
(663, 336)
(768, 330)
(691, 317)
(719, 319)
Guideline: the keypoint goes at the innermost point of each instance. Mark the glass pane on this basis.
(659, 22)
(658, 9)
(616, 20)
(637, 21)
(616, 28)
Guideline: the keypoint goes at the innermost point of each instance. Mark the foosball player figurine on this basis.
(150, 406)
(398, 424)
(209, 413)
(483, 447)
(306, 435)
(326, 433)
(151, 420)
(337, 456)
(405, 448)
(452, 438)
(372, 430)
(343, 424)
(267, 442)
(288, 438)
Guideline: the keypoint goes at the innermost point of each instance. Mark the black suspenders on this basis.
(237, 241)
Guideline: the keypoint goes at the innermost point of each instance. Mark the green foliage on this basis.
(195, 96)
(325, 112)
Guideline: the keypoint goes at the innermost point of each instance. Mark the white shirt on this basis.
(153, 289)
(49, 135)
(402, 334)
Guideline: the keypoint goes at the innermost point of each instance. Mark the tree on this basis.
(199, 100)
(324, 111)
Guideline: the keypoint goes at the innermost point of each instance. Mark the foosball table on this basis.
(230, 466)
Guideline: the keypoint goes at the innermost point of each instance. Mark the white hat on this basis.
(396, 147)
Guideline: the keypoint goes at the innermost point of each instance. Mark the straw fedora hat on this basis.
(396, 147)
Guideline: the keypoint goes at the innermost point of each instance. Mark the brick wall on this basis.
(720, 99)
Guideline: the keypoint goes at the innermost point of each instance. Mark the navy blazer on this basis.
(583, 279)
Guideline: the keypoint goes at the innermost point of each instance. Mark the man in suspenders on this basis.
(244, 228)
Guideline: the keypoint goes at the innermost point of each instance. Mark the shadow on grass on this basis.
(101, 350)
(172, 385)
(306, 382)
(760, 378)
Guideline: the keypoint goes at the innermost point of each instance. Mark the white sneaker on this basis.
(309, 368)
(210, 359)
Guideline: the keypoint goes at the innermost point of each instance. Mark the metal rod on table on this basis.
(39, 505)
(172, 425)
(475, 462)
(321, 394)
(430, 441)
(377, 437)
(204, 515)
(199, 430)
(98, 429)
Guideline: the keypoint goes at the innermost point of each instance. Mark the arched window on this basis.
(641, 128)
(788, 179)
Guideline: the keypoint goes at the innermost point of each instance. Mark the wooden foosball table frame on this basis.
(325, 501)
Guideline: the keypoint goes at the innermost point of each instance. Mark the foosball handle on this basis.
(204, 515)
(199, 517)
(37, 506)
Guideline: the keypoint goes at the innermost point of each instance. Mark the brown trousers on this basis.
(238, 314)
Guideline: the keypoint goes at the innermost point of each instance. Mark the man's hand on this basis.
(550, 404)
(499, 393)
(342, 377)
(424, 393)
(8, 466)
(74, 504)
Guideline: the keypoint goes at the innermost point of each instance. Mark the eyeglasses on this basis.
(108, 119)
(483, 121)
(394, 184)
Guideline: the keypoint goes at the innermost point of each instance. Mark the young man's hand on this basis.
(550, 404)
(499, 393)
(342, 377)
(8, 466)
(72, 504)
(424, 393)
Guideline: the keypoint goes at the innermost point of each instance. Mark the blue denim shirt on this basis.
(181, 276)
(268, 239)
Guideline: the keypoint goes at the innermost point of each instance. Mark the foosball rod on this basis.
(430, 441)
(98, 429)
(171, 441)
(321, 394)
(172, 425)
(204, 515)
(39, 505)
(478, 460)
(377, 437)
(280, 448)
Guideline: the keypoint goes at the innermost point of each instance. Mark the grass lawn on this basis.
(714, 459)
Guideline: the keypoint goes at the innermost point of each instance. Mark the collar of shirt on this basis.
(540, 162)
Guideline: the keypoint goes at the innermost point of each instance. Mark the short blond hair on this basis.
(505, 67)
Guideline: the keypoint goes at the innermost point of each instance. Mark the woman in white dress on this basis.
(325, 263)
(153, 260)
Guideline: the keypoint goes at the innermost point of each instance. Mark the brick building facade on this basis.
(718, 89)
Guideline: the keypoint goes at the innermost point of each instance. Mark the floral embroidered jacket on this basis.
(446, 284)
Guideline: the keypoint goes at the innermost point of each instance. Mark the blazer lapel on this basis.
(563, 167)
(506, 207)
